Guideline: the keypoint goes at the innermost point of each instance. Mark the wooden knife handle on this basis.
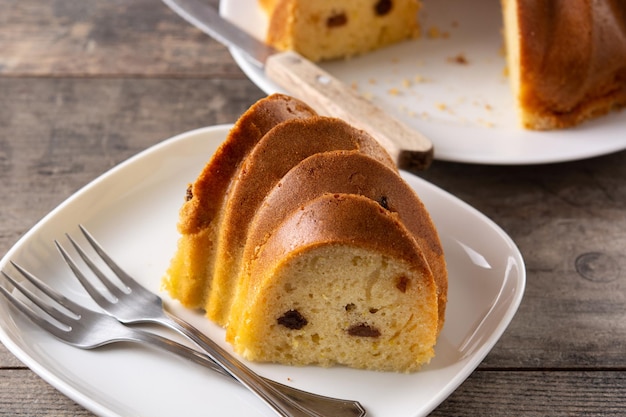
(411, 150)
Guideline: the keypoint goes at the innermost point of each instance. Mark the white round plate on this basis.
(452, 88)
(133, 210)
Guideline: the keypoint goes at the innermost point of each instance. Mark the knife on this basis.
(304, 80)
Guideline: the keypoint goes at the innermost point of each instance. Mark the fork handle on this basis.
(332, 406)
(294, 404)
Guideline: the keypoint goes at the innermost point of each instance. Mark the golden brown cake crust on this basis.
(351, 172)
(275, 154)
(572, 60)
(346, 218)
(218, 173)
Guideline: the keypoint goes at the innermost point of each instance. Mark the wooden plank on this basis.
(8, 360)
(111, 38)
(538, 394)
(59, 134)
(493, 393)
(22, 393)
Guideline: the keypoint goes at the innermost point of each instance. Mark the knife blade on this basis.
(306, 81)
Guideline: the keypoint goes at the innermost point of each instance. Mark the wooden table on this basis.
(86, 84)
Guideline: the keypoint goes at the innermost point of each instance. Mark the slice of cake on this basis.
(340, 281)
(309, 247)
(335, 29)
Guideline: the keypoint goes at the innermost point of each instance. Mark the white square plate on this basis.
(133, 209)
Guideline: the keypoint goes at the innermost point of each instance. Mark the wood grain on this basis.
(91, 38)
(489, 393)
(538, 393)
(59, 134)
(24, 394)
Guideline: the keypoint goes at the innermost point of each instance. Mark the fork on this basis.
(77, 323)
(87, 329)
(136, 304)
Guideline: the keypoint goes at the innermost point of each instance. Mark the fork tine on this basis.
(52, 311)
(91, 290)
(44, 288)
(31, 315)
(121, 274)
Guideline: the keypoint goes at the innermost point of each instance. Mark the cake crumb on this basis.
(409, 112)
(485, 123)
(394, 92)
(459, 59)
(434, 32)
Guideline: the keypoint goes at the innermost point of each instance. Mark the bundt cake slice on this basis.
(328, 29)
(340, 281)
(274, 155)
(301, 238)
(191, 269)
(351, 172)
